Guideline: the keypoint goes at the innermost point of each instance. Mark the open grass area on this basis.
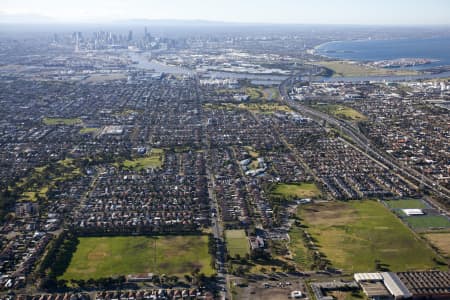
(342, 112)
(29, 196)
(254, 93)
(300, 190)
(428, 222)
(237, 243)
(353, 235)
(271, 94)
(88, 130)
(98, 257)
(406, 203)
(300, 254)
(104, 77)
(440, 240)
(62, 121)
(251, 151)
(152, 160)
(351, 69)
(263, 108)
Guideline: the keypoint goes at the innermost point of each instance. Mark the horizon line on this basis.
(47, 20)
(112, 22)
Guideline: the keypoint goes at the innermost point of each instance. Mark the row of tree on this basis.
(57, 259)
(7, 201)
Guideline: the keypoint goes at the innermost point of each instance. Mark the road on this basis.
(218, 233)
(364, 144)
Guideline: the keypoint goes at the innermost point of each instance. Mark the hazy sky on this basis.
(262, 11)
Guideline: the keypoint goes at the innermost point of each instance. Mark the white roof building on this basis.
(361, 277)
(413, 212)
(395, 286)
(392, 284)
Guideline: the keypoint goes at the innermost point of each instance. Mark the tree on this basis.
(61, 284)
(188, 278)
(156, 279)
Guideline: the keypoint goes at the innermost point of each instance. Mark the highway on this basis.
(364, 144)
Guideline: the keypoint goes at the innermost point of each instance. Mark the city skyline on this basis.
(352, 12)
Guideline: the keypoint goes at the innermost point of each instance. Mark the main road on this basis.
(364, 144)
(218, 233)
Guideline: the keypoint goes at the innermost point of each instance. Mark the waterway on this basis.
(144, 61)
(436, 48)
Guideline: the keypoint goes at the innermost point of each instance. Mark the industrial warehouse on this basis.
(405, 285)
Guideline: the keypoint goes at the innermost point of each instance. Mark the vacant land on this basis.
(351, 69)
(353, 235)
(347, 295)
(152, 160)
(441, 241)
(62, 121)
(237, 243)
(405, 204)
(98, 257)
(426, 222)
(300, 190)
(342, 112)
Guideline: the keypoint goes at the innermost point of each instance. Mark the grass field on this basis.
(353, 235)
(62, 121)
(263, 108)
(300, 254)
(88, 130)
(425, 222)
(343, 112)
(271, 94)
(237, 243)
(105, 77)
(348, 69)
(440, 240)
(254, 93)
(152, 160)
(405, 204)
(98, 257)
(300, 190)
(251, 151)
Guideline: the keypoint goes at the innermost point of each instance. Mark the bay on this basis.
(436, 48)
